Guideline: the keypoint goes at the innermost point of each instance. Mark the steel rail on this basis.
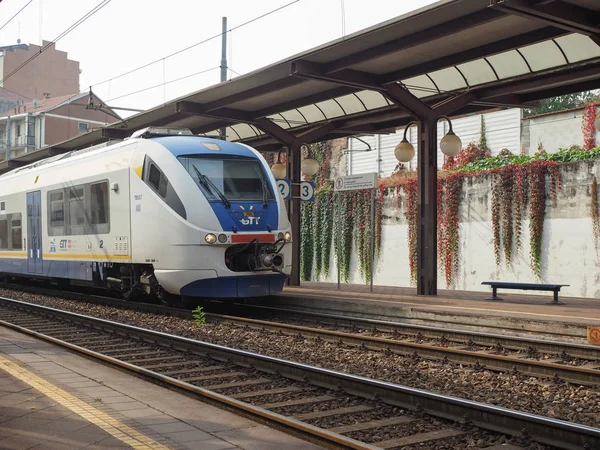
(583, 351)
(576, 374)
(542, 429)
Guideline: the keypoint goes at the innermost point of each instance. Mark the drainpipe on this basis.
(378, 146)
(7, 138)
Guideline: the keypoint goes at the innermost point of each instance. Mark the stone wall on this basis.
(569, 254)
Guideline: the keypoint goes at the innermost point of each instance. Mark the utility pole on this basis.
(224, 65)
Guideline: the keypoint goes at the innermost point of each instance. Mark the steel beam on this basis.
(427, 204)
(557, 13)
(584, 72)
(226, 114)
(434, 32)
(15, 164)
(116, 133)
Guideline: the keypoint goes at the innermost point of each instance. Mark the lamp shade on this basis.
(597, 122)
(309, 167)
(278, 170)
(404, 151)
(450, 144)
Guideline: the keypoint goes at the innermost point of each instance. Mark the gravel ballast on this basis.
(555, 399)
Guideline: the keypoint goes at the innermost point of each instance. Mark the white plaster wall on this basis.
(568, 257)
(557, 131)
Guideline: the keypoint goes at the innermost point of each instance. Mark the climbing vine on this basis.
(410, 212)
(594, 213)
(306, 242)
(521, 187)
(448, 226)
(587, 126)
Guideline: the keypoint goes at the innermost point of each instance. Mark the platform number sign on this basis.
(307, 191)
(283, 186)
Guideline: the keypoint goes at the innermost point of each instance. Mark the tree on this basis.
(563, 102)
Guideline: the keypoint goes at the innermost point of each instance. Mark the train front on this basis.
(243, 246)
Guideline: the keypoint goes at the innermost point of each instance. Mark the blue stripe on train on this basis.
(236, 287)
(74, 270)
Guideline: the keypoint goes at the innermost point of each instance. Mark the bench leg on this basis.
(555, 301)
(494, 297)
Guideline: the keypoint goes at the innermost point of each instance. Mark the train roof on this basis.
(178, 145)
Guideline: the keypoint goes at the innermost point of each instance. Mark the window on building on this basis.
(82, 126)
(15, 232)
(2, 206)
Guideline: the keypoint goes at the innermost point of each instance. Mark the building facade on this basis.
(31, 126)
(50, 74)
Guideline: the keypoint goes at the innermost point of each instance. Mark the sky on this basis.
(127, 34)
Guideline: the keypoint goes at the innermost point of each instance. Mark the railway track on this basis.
(575, 363)
(333, 409)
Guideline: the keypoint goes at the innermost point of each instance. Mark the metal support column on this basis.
(295, 215)
(427, 216)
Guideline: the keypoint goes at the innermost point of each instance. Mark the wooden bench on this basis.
(524, 286)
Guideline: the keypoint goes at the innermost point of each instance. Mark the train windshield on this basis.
(229, 179)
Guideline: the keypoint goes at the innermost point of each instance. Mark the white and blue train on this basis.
(164, 212)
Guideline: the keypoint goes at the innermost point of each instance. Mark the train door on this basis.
(34, 231)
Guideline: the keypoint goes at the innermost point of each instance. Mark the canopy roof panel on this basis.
(455, 56)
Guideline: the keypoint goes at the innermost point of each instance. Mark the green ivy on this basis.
(307, 247)
(562, 156)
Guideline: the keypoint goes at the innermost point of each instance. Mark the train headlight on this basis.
(288, 236)
(222, 238)
(279, 236)
(210, 238)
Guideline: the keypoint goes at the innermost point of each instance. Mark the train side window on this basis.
(157, 180)
(154, 176)
(76, 210)
(99, 207)
(15, 232)
(56, 212)
(4, 234)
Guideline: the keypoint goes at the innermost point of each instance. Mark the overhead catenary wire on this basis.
(162, 84)
(59, 37)
(189, 47)
(17, 13)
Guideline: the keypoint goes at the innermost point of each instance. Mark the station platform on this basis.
(52, 398)
(517, 310)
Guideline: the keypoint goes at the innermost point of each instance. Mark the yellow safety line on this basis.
(426, 305)
(131, 437)
(84, 256)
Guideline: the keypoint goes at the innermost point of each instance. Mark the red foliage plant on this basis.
(470, 153)
(587, 126)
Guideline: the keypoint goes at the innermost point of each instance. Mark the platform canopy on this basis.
(456, 56)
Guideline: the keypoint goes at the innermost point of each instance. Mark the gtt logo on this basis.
(250, 220)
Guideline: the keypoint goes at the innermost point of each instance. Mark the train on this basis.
(163, 213)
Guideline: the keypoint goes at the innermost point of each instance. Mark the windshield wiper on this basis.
(265, 188)
(210, 186)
